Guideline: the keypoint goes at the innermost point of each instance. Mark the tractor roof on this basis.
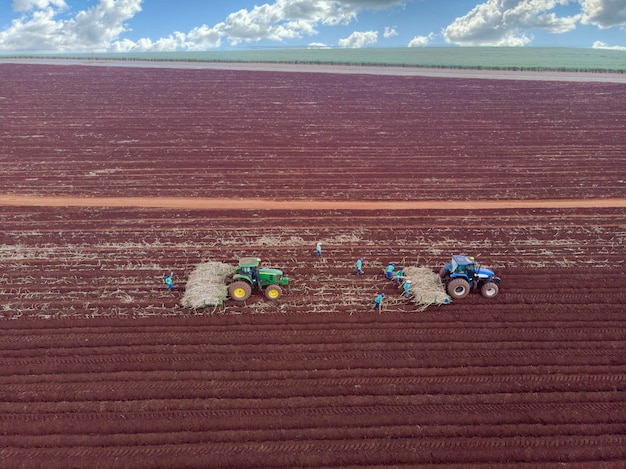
(463, 260)
(249, 262)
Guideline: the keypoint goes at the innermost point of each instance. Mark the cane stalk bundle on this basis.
(206, 285)
(426, 287)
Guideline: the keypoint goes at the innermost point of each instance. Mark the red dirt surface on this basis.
(101, 367)
(110, 131)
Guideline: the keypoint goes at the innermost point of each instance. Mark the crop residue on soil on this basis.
(100, 364)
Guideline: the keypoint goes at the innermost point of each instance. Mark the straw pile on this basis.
(206, 286)
(426, 287)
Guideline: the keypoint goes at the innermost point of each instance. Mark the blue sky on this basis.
(192, 25)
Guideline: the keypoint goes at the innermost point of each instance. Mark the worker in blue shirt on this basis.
(169, 282)
(359, 266)
(389, 271)
(397, 277)
(378, 302)
(406, 288)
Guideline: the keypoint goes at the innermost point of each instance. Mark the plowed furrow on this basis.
(597, 416)
(263, 429)
(323, 334)
(262, 361)
(347, 451)
(360, 385)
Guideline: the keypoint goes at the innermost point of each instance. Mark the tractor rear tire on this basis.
(458, 288)
(240, 290)
(489, 290)
(273, 292)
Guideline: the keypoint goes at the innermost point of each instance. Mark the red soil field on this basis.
(219, 133)
(112, 177)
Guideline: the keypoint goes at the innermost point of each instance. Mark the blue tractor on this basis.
(462, 274)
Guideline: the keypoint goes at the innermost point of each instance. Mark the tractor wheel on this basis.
(273, 292)
(458, 288)
(240, 290)
(489, 290)
(443, 273)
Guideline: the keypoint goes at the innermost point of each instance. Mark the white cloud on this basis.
(371, 4)
(26, 5)
(390, 32)
(318, 45)
(288, 19)
(47, 25)
(421, 41)
(284, 19)
(359, 39)
(39, 29)
(280, 21)
(604, 45)
(604, 13)
(100, 25)
(505, 22)
(200, 38)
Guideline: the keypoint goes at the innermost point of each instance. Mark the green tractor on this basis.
(248, 276)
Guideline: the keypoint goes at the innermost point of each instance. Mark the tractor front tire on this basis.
(273, 292)
(458, 288)
(489, 290)
(240, 290)
(443, 273)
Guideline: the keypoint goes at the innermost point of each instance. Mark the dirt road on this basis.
(200, 203)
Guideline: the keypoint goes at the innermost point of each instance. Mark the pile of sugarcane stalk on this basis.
(206, 285)
(426, 287)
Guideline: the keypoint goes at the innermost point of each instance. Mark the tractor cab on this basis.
(249, 263)
(465, 266)
(248, 270)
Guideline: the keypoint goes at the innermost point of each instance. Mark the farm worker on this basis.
(406, 288)
(389, 271)
(318, 250)
(378, 301)
(397, 278)
(359, 266)
(169, 282)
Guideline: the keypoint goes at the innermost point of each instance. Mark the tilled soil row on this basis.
(106, 131)
(287, 387)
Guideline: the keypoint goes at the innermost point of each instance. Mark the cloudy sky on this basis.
(191, 25)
